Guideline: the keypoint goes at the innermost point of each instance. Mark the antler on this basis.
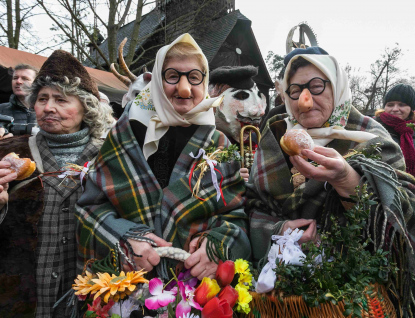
(124, 66)
(122, 78)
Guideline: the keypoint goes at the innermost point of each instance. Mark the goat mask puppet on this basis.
(243, 104)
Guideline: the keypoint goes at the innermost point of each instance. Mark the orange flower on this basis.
(83, 284)
(116, 287)
(207, 289)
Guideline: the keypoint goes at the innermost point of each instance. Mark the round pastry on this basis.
(24, 167)
(295, 140)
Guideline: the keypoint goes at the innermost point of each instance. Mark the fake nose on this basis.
(183, 87)
(305, 101)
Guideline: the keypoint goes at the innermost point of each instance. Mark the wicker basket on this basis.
(269, 305)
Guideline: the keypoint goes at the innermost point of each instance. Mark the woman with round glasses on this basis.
(303, 191)
(139, 194)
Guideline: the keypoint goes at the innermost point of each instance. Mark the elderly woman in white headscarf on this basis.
(277, 201)
(139, 194)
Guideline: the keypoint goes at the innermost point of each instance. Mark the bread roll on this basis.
(24, 167)
(295, 140)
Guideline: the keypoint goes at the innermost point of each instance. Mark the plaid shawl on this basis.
(123, 199)
(272, 199)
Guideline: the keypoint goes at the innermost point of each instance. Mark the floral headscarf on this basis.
(152, 108)
(334, 127)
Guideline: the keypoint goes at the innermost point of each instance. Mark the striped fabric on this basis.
(123, 196)
(272, 198)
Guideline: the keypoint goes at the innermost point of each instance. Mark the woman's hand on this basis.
(244, 174)
(310, 234)
(5, 177)
(332, 167)
(149, 257)
(2, 134)
(199, 262)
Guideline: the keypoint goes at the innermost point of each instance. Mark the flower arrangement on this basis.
(211, 298)
(335, 273)
(102, 286)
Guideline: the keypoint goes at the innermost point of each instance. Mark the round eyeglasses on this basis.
(316, 86)
(172, 76)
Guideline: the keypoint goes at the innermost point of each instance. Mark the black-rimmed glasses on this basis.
(316, 86)
(172, 76)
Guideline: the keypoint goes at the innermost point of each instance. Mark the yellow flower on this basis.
(244, 298)
(245, 279)
(241, 266)
(83, 284)
(116, 287)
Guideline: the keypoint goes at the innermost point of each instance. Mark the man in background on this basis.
(17, 106)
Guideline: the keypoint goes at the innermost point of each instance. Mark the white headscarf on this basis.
(152, 108)
(334, 127)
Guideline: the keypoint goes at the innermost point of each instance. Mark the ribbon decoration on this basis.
(211, 163)
(75, 170)
(285, 249)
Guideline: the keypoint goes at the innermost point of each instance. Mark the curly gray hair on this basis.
(98, 115)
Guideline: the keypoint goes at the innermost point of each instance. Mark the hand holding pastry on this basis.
(24, 167)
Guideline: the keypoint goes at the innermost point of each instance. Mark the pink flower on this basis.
(101, 312)
(160, 297)
(343, 121)
(185, 305)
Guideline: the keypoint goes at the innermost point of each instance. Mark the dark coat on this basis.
(20, 113)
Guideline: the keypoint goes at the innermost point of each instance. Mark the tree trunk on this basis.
(134, 36)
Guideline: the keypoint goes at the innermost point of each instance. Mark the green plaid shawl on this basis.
(272, 199)
(123, 199)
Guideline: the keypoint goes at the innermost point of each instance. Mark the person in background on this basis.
(37, 223)
(18, 107)
(397, 116)
(139, 194)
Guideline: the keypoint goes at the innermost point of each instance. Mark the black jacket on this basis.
(20, 113)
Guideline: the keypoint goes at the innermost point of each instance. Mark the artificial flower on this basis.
(101, 312)
(190, 315)
(184, 277)
(207, 289)
(83, 285)
(241, 266)
(245, 279)
(185, 305)
(225, 273)
(160, 297)
(216, 308)
(244, 298)
(230, 294)
(116, 287)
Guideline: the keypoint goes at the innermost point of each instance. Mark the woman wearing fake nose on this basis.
(304, 191)
(145, 175)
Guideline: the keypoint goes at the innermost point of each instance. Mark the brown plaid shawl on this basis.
(123, 198)
(272, 199)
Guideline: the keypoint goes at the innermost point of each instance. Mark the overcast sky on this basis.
(353, 31)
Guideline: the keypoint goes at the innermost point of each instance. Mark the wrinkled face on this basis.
(323, 104)
(57, 113)
(240, 107)
(20, 79)
(136, 87)
(184, 96)
(398, 109)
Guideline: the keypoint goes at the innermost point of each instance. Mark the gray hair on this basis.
(98, 115)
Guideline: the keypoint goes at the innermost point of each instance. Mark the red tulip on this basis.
(207, 289)
(230, 294)
(216, 308)
(225, 273)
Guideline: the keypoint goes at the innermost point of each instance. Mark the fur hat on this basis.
(401, 93)
(235, 76)
(310, 50)
(62, 63)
